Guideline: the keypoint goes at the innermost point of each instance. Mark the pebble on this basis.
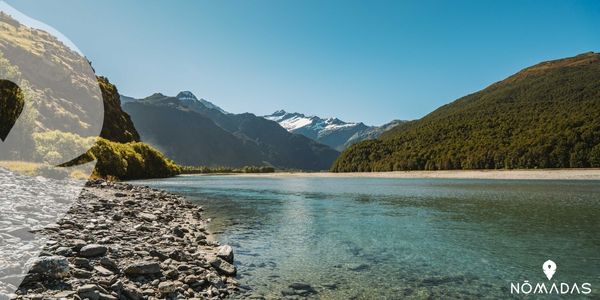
(51, 266)
(226, 253)
(103, 271)
(89, 291)
(166, 287)
(92, 250)
(142, 268)
(222, 266)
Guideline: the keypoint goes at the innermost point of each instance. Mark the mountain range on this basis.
(196, 132)
(544, 116)
(330, 131)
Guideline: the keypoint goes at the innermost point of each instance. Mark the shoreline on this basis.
(124, 241)
(521, 174)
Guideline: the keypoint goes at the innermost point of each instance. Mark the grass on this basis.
(36, 169)
(22, 167)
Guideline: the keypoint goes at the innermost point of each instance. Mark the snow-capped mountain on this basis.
(330, 131)
(314, 125)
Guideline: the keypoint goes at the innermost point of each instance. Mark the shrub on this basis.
(595, 156)
(135, 160)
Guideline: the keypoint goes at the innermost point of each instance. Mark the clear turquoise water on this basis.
(371, 238)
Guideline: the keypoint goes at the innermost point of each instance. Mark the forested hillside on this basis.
(545, 116)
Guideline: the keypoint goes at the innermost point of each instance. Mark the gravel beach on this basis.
(120, 241)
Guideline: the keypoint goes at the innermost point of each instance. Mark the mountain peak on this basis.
(186, 95)
(156, 96)
(335, 121)
(280, 112)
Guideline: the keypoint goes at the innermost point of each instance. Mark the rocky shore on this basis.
(120, 241)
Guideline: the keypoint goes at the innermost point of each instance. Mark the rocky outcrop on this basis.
(121, 241)
(117, 126)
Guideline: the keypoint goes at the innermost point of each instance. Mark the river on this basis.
(386, 238)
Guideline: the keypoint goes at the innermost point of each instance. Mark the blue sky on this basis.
(370, 61)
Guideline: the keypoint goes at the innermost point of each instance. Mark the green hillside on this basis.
(545, 116)
(56, 122)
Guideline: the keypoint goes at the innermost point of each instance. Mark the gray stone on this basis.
(178, 232)
(89, 291)
(109, 263)
(172, 274)
(132, 292)
(191, 279)
(148, 217)
(78, 244)
(104, 296)
(103, 271)
(64, 251)
(82, 263)
(167, 287)
(51, 266)
(301, 289)
(117, 287)
(159, 254)
(226, 253)
(222, 266)
(64, 294)
(142, 268)
(80, 273)
(92, 250)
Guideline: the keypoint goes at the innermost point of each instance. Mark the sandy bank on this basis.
(545, 174)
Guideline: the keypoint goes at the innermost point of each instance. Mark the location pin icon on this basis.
(549, 268)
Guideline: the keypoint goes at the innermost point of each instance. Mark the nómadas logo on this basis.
(557, 288)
